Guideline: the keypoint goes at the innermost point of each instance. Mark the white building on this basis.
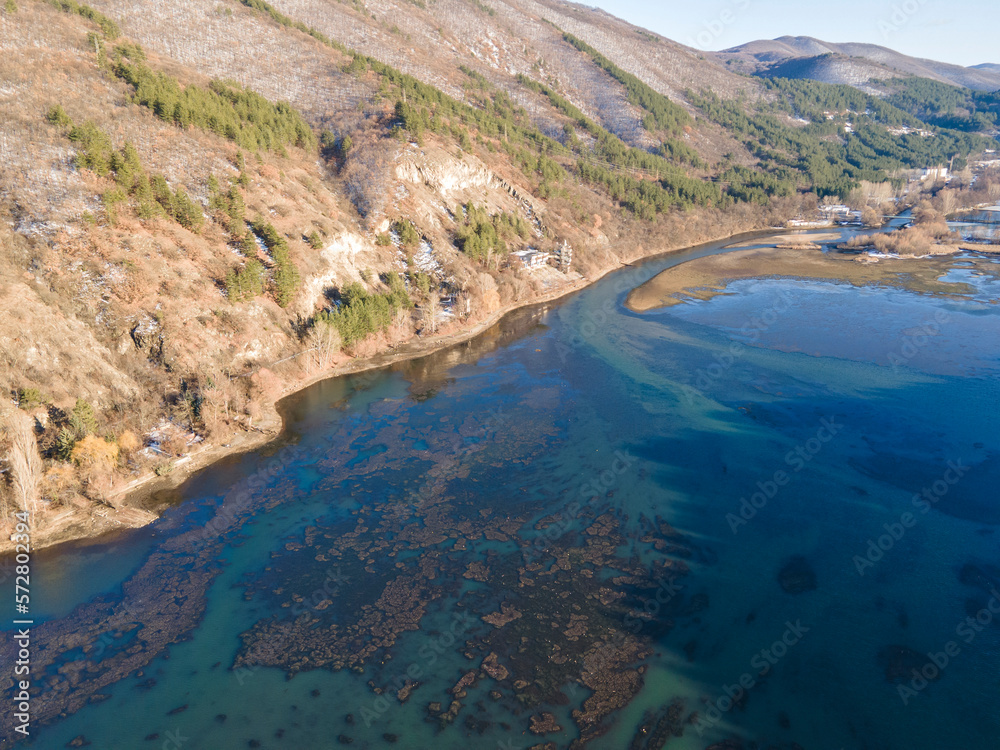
(934, 174)
(530, 258)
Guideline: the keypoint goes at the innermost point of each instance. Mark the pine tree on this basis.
(187, 213)
(82, 419)
(235, 209)
(248, 245)
(57, 115)
(64, 444)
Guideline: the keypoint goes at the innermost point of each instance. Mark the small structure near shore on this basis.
(530, 259)
(564, 256)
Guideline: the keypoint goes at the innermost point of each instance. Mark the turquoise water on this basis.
(647, 509)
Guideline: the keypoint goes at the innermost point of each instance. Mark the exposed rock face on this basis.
(446, 177)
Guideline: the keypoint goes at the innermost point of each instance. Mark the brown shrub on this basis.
(94, 452)
(128, 443)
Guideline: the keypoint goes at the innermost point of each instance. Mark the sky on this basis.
(963, 32)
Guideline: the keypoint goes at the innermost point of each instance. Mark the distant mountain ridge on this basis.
(849, 63)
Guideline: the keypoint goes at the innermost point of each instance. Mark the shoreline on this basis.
(129, 507)
(707, 277)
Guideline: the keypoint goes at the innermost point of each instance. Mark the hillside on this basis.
(852, 63)
(207, 204)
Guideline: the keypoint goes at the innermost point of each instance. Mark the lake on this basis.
(769, 517)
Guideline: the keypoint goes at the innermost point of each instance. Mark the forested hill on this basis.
(850, 63)
(206, 200)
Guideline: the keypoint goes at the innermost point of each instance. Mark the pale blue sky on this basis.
(956, 31)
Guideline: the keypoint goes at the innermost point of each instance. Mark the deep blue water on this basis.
(704, 487)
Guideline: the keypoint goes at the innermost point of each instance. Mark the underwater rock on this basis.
(493, 668)
(403, 694)
(544, 724)
(797, 576)
(506, 615)
(900, 662)
(974, 575)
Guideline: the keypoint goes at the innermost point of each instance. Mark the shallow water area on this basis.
(587, 525)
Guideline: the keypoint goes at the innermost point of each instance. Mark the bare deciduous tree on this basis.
(368, 177)
(25, 463)
(432, 310)
(325, 340)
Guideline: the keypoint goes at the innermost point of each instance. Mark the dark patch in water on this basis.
(982, 576)
(899, 663)
(971, 496)
(797, 576)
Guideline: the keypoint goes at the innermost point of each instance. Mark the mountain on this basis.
(206, 203)
(853, 64)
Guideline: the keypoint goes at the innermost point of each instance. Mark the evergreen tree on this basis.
(57, 116)
(82, 419)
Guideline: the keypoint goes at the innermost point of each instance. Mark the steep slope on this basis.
(208, 203)
(143, 316)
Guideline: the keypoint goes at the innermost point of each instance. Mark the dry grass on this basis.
(133, 317)
(245, 47)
